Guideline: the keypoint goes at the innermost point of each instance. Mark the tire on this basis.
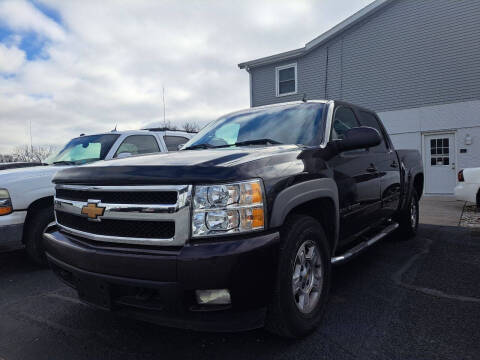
(284, 314)
(34, 229)
(408, 219)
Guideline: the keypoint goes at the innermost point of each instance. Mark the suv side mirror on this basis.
(358, 138)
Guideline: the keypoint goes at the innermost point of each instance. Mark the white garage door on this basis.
(440, 163)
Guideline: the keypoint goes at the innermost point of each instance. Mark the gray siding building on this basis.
(417, 63)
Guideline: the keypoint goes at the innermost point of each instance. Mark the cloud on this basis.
(20, 15)
(11, 59)
(106, 62)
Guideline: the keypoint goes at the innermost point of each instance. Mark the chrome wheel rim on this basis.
(413, 214)
(307, 277)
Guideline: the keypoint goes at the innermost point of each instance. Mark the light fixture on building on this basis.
(468, 139)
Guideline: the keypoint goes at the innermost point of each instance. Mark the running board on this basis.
(363, 245)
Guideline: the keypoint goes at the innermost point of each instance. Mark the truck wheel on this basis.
(34, 229)
(303, 279)
(409, 217)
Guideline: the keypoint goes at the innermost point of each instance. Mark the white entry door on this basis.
(440, 163)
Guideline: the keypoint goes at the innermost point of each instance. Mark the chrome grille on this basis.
(124, 228)
(115, 197)
(122, 219)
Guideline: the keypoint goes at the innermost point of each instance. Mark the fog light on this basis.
(213, 297)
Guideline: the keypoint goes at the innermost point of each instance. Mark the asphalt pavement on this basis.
(417, 299)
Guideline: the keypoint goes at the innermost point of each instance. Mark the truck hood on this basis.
(187, 167)
(10, 176)
(26, 185)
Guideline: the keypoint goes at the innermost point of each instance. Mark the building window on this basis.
(286, 79)
(439, 152)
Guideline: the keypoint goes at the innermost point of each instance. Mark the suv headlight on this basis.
(5, 202)
(228, 208)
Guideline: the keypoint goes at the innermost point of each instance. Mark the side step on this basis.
(363, 245)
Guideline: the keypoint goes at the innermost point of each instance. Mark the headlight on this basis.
(5, 202)
(228, 208)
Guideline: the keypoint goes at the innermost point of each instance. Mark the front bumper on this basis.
(11, 227)
(158, 284)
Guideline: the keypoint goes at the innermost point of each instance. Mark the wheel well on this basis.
(37, 204)
(323, 210)
(418, 185)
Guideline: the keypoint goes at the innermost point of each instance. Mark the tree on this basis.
(34, 153)
(190, 126)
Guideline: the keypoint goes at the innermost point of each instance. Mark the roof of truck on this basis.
(143, 132)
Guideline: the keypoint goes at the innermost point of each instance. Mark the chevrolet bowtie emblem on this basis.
(93, 211)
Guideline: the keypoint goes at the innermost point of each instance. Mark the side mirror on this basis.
(358, 138)
(179, 146)
(123, 155)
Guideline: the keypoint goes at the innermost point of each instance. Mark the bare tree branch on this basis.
(190, 126)
(30, 154)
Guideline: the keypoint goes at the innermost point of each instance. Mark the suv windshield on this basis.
(285, 124)
(84, 149)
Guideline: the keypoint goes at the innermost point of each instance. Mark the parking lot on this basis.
(415, 299)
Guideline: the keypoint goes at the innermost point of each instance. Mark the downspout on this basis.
(250, 85)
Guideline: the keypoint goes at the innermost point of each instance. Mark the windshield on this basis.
(285, 124)
(84, 149)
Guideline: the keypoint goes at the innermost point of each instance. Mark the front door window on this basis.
(440, 152)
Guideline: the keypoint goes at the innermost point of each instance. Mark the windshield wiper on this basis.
(200, 146)
(257, 142)
(239, 143)
(64, 162)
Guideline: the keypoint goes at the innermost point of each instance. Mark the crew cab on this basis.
(26, 194)
(240, 228)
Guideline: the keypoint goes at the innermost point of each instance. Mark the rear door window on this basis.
(173, 142)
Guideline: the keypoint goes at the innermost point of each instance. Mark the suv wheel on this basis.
(34, 229)
(409, 217)
(303, 279)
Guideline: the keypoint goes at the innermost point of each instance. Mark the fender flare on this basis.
(302, 193)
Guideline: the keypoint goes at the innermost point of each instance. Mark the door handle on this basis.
(371, 168)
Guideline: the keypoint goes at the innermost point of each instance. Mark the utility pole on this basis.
(31, 142)
(163, 95)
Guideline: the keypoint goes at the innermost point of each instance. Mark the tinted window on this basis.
(343, 121)
(172, 142)
(286, 124)
(138, 144)
(368, 119)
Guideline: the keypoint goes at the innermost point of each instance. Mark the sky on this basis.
(69, 67)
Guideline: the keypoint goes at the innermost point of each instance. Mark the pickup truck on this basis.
(26, 194)
(240, 228)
